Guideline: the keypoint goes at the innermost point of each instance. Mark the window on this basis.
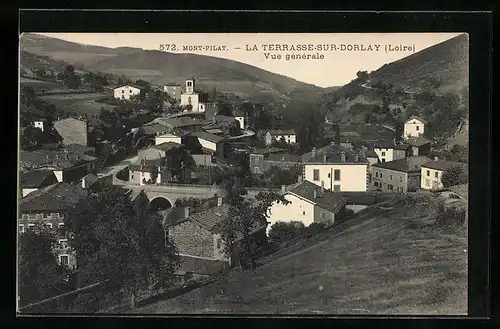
(400, 179)
(329, 175)
(336, 174)
(376, 174)
(390, 187)
(383, 160)
(64, 260)
(31, 225)
(303, 213)
(21, 228)
(218, 243)
(336, 188)
(428, 173)
(436, 174)
(383, 154)
(63, 243)
(60, 225)
(316, 174)
(376, 184)
(427, 182)
(256, 170)
(49, 225)
(418, 128)
(380, 175)
(24, 216)
(390, 177)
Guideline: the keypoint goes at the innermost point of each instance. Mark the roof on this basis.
(443, 164)
(284, 157)
(211, 217)
(154, 128)
(130, 85)
(215, 131)
(36, 178)
(77, 148)
(167, 146)
(416, 118)
(384, 144)
(405, 165)
(183, 121)
(401, 146)
(327, 199)
(371, 154)
(148, 165)
(268, 150)
(280, 132)
(202, 266)
(173, 215)
(54, 197)
(61, 158)
(417, 141)
(173, 84)
(206, 136)
(333, 155)
(90, 178)
(238, 112)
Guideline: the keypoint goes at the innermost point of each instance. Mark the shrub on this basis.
(343, 215)
(450, 216)
(313, 229)
(285, 231)
(454, 176)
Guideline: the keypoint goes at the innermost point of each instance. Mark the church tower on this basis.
(190, 86)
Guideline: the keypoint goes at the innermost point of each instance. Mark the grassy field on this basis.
(79, 103)
(385, 261)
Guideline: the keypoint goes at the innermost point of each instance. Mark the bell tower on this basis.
(190, 86)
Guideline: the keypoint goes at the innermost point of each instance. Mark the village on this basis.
(187, 185)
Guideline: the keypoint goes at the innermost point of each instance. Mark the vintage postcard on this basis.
(243, 173)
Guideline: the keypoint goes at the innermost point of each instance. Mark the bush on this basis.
(313, 229)
(450, 216)
(285, 231)
(454, 176)
(343, 215)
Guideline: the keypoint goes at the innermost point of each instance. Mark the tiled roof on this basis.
(77, 148)
(404, 165)
(416, 118)
(384, 145)
(280, 132)
(333, 155)
(267, 150)
(36, 178)
(327, 199)
(178, 122)
(215, 131)
(167, 146)
(211, 217)
(401, 146)
(173, 84)
(154, 128)
(443, 164)
(224, 118)
(202, 266)
(131, 85)
(417, 141)
(148, 165)
(206, 136)
(90, 179)
(371, 154)
(284, 157)
(60, 158)
(59, 196)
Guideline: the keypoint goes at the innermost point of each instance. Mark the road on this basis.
(114, 169)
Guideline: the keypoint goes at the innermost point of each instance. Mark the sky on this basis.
(346, 53)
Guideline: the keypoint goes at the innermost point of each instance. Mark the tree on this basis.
(224, 109)
(244, 217)
(121, 241)
(69, 78)
(362, 75)
(40, 275)
(454, 176)
(285, 231)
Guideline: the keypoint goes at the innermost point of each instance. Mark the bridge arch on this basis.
(160, 203)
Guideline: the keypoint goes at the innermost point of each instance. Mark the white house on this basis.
(432, 172)
(126, 92)
(308, 204)
(241, 117)
(389, 151)
(144, 170)
(210, 142)
(168, 138)
(337, 169)
(40, 124)
(288, 136)
(414, 127)
(191, 97)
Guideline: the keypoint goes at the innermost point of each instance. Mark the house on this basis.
(145, 171)
(198, 236)
(158, 151)
(289, 136)
(371, 157)
(432, 172)
(388, 151)
(418, 146)
(414, 127)
(66, 166)
(126, 92)
(50, 205)
(73, 131)
(154, 129)
(41, 124)
(308, 204)
(172, 137)
(174, 90)
(336, 169)
(281, 160)
(242, 118)
(34, 180)
(210, 142)
(192, 98)
(90, 182)
(402, 175)
(80, 149)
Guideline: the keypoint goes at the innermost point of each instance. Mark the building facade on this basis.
(196, 100)
(414, 127)
(288, 136)
(402, 175)
(432, 173)
(126, 92)
(174, 90)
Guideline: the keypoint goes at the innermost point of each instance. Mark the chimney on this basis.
(84, 183)
(436, 158)
(299, 179)
(186, 212)
(219, 201)
(313, 152)
(283, 188)
(322, 187)
(315, 194)
(342, 156)
(324, 158)
(282, 158)
(394, 141)
(356, 158)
